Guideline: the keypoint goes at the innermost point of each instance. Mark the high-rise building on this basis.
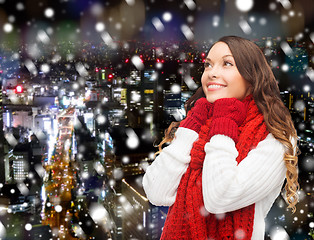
(2, 163)
(140, 219)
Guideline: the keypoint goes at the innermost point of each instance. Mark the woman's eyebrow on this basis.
(228, 55)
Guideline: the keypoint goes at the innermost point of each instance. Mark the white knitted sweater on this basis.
(227, 186)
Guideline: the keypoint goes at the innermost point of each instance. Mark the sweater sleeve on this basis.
(228, 186)
(162, 177)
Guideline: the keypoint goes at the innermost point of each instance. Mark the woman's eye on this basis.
(207, 64)
(228, 64)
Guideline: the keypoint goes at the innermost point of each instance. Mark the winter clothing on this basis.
(221, 183)
(199, 115)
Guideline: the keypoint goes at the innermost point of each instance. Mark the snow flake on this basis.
(22, 188)
(10, 139)
(28, 226)
(7, 27)
(190, 19)
(56, 58)
(244, 5)
(175, 88)
(43, 37)
(190, 82)
(308, 163)
(125, 204)
(125, 159)
(140, 227)
(272, 6)
(149, 118)
(80, 68)
(85, 175)
(306, 88)
(239, 234)
(286, 48)
(20, 6)
(310, 73)
(78, 231)
(220, 216)
(299, 105)
(106, 37)
(159, 65)
(137, 62)
(246, 28)
(118, 26)
(101, 119)
(58, 208)
(204, 212)
(49, 12)
(311, 224)
(190, 4)
(216, 20)
(45, 68)
(167, 16)
(2, 230)
(100, 26)
(158, 24)
(285, 67)
(117, 173)
(130, 2)
(278, 233)
(11, 18)
(187, 32)
(96, 9)
(263, 21)
(285, 3)
(133, 140)
(144, 165)
(284, 18)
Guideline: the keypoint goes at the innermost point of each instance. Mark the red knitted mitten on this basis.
(228, 115)
(198, 115)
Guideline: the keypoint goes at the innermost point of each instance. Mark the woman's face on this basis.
(221, 78)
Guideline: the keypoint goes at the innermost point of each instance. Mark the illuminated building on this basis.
(19, 166)
(140, 219)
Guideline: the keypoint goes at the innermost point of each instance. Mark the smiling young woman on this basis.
(229, 158)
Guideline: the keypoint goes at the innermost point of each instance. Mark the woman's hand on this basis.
(198, 115)
(228, 114)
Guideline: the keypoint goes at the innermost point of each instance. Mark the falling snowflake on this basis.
(175, 88)
(117, 173)
(246, 28)
(158, 24)
(100, 26)
(7, 27)
(187, 32)
(58, 208)
(28, 226)
(45, 68)
(137, 62)
(167, 16)
(244, 5)
(278, 233)
(49, 12)
(43, 37)
(190, 4)
(239, 234)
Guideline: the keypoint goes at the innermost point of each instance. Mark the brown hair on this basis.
(253, 67)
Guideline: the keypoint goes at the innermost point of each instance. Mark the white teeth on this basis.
(215, 86)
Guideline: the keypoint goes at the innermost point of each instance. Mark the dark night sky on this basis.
(131, 19)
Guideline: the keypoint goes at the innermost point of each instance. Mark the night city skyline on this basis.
(89, 87)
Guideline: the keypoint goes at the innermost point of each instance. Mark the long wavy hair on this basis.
(254, 68)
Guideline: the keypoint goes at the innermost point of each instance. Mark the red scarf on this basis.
(187, 217)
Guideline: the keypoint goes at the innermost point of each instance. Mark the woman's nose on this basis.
(214, 72)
